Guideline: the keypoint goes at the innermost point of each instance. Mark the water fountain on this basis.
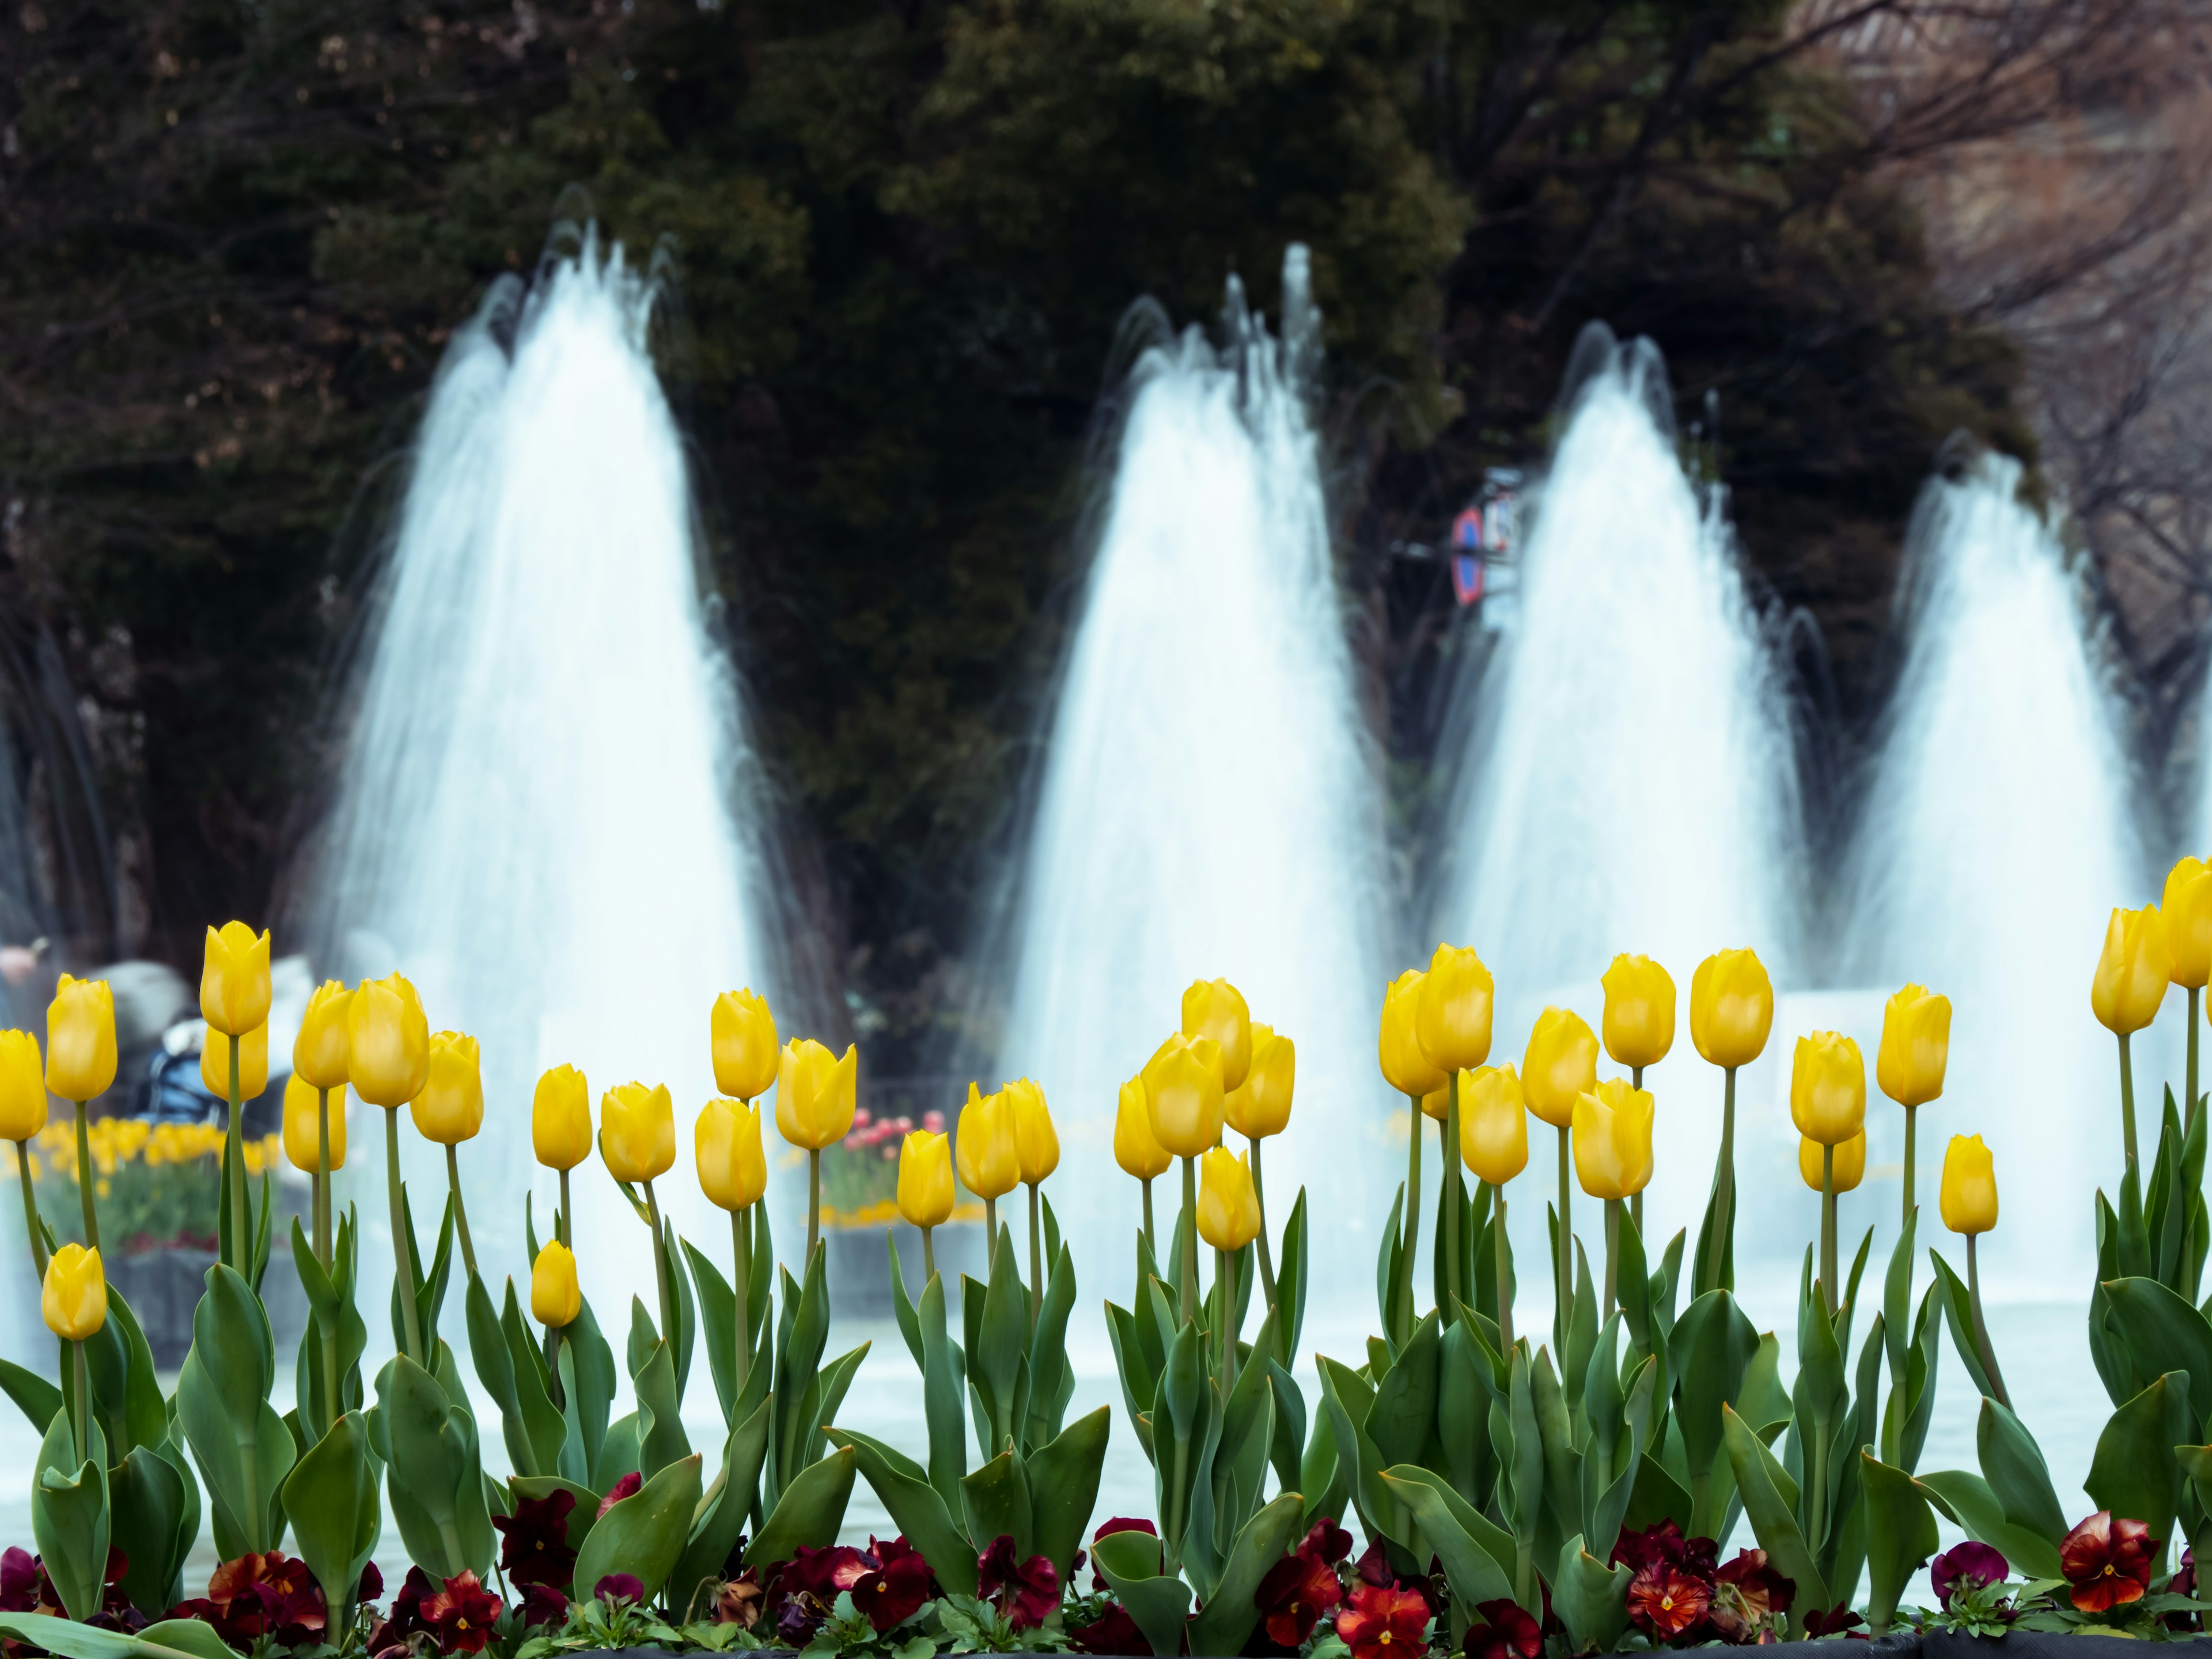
(1626, 776)
(1210, 802)
(543, 819)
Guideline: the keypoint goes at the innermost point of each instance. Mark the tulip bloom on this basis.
(1850, 1162)
(746, 1057)
(321, 1053)
(1183, 1094)
(1452, 1015)
(2186, 908)
(725, 1145)
(1228, 1219)
(1827, 1088)
(1135, 1149)
(1493, 1142)
(74, 1300)
(388, 1043)
(1559, 1066)
(1398, 1047)
(1216, 1009)
(235, 979)
(2131, 982)
(925, 1182)
(1611, 1135)
(81, 1064)
(816, 1093)
(450, 1107)
(1915, 1046)
(1731, 1007)
(1260, 1105)
(1036, 1147)
(989, 1157)
(561, 1119)
(1968, 1203)
(556, 1298)
(637, 1142)
(22, 1086)
(303, 1126)
(1639, 1012)
(252, 1064)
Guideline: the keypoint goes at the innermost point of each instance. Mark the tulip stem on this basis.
(2127, 1101)
(31, 1208)
(2189, 1120)
(1224, 1286)
(1504, 1273)
(1260, 1198)
(1413, 1228)
(1151, 1243)
(323, 1177)
(1910, 1190)
(1828, 1227)
(741, 1274)
(928, 1257)
(1636, 1198)
(83, 1403)
(84, 1175)
(1723, 1185)
(1612, 1254)
(1452, 1189)
(1981, 1329)
(403, 1245)
(1187, 1227)
(813, 1202)
(1564, 1269)
(234, 1134)
(461, 1210)
(991, 1226)
(660, 1268)
(563, 1229)
(1036, 1260)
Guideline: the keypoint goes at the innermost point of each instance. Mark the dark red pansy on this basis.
(1503, 1631)
(2107, 1562)
(1664, 1600)
(1384, 1622)
(1291, 1599)
(533, 1546)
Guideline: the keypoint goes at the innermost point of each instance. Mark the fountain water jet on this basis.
(1210, 802)
(543, 818)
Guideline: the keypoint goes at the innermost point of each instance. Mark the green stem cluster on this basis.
(403, 1250)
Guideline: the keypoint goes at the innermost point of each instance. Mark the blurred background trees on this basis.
(900, 237)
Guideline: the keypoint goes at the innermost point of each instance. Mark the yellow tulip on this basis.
(1215, 1008)
(1850, 1161)
(725, 1142)
(561, 1119)
(235, 979)
(746, 1055)
(303, 1135)
(450, 1108)
(1436, 1105)
(1184, 1097)
(2131, 977)
(2185, 907)
(1731, 1007)
(1036, 1144)
(1560, 1066)
(1915, 1046)
(1612, 1139)
(1451, 1016)
(1228, 1208)
(22, 1086)
(80, 1039)
(387, 1041)
(1827, 1088)
(319, 1053)
(556, 1298)
(1260, 1105)
(253, 1063)
(816, 1092)
(990, 1161)
(75, 1297)
(1493, 1124)
(1135, 1149)
(1639, 1011)
(1398, 1046)
(925, 1179)
(1969, 1200)
(637, 1131)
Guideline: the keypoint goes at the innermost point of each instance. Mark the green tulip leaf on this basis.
(1770, 1500)
(644, 1535)
(729, 1498)
(1591, 1598)
(331, 1498)
(35, 1397)
(146, 1513)
(587, 1364)
(1290, 1274)
(916, 1508)
(434, 1473)
(1323, 1476)
(241, 1444)
(1404, 1414)
(1967, 1499)
(495, 1368)
(2133, 1474)
(1051, 1382)
(1900, 1536)
(1226, 1621)
(1063, 1482)
(1713, 1344)
(120, 1366)
(718, 1324)
(2164, 1333)
(171, 1639)
(1158, 1601)
(2012, 1465)
(1286, 1451)
(661, 1437)
(996, 1502)
(1348, 1399)
(1478, 1556)
(70, 1517)
(810, 1512)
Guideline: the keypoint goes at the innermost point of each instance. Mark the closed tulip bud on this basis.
(1215, 1008)
(816, 1093)
(556, 1298)
(1560, 1066)
(1827, 1088)
(303, 1124)
(1850, 1161)
(1915, 1045)
(1639, 1011)
(450, 1108)
(1036, 1144)
(1135, 1149)
(2185, 907)
(1184, 1094)
(234, 979)
(321, 1052)
(1260, 1105)
(1612, 1139)
(1228, 1208)
(80, 1039)
(1731, 1007)
(925, 1179)
(2132, 975)
(732, 1164)
(637, 1131)
(1493, 1124)
(22, 1086)
(990, 1161)
(746, 1055)
(1398, 1046)
(387, 1041)
(561, 1119)
(1969, 1200)
(1451, 1018)
(253, 1063)
(1436, 1105)
(75, 1297)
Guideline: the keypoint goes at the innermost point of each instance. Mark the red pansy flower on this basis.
(1965, 1566)
(1747, 1593)
(1292, 1598)
(1025, 1592)
(1664, 1600)
(1112, 1631)
(1504, 1631)
(543, 1605)
(2107, 1562)
(1326, 1541)
(1384, 1622)
(626, 1487)
(460, 1614)
(893, 1591)
(533, 1546)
